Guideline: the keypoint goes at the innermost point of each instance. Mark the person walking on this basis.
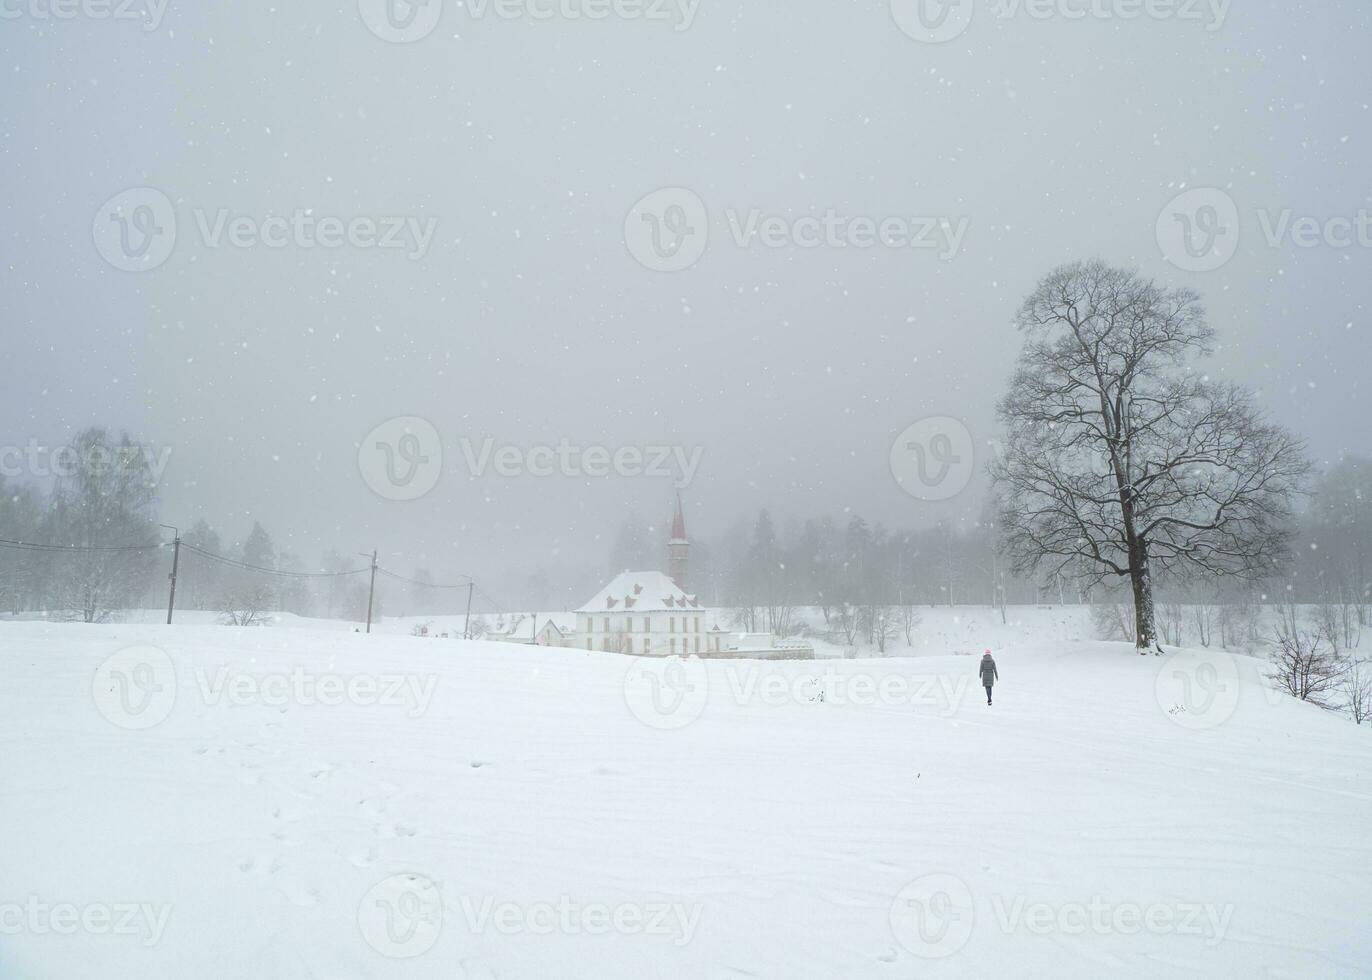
(989, 674)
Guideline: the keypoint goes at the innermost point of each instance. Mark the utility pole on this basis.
(467, 627)
(371, 592)
(176, 561)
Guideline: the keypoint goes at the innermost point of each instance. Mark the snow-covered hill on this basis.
(203, 801)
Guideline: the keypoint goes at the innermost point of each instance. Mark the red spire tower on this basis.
(678, 549)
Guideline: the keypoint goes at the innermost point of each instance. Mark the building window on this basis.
(646, 645)
(607, 624)
(671, 624)
(588, 643)
(647, 624)
(628, 624)
(673, 642)
(697, 644)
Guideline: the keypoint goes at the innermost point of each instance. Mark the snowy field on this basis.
(941, 630)
(200, 801)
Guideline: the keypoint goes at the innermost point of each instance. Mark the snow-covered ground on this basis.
(190, 801)
(941, 629)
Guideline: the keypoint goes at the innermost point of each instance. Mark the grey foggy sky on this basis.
(528, 320)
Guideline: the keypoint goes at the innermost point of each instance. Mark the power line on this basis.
(267, 571)
(495, 606)
(74, 549)
(427, 585)
(468, 582)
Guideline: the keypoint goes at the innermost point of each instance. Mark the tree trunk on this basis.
(1145, 618)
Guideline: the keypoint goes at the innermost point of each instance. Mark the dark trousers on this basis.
(988, 693)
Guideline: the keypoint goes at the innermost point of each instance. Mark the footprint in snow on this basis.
(361, 857)
(262, 864)
(297, 893)
(474, 970)
(373, 808)
(392, 831)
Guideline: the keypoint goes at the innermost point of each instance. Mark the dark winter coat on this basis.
(989, 674)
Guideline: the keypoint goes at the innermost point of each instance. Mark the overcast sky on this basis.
(522, 145)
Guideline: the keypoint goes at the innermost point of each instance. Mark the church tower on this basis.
(678, 549)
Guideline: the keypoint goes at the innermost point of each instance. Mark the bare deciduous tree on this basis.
(1112, 621)
(885, 626)
(247, 603)
(1307, 664)
(1357, 688)
(1121, 458)
(908, 618)
(1171, 617)
(103, 511)
(1204, 616)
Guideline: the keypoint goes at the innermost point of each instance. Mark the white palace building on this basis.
(649, 613)
(645, 613)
